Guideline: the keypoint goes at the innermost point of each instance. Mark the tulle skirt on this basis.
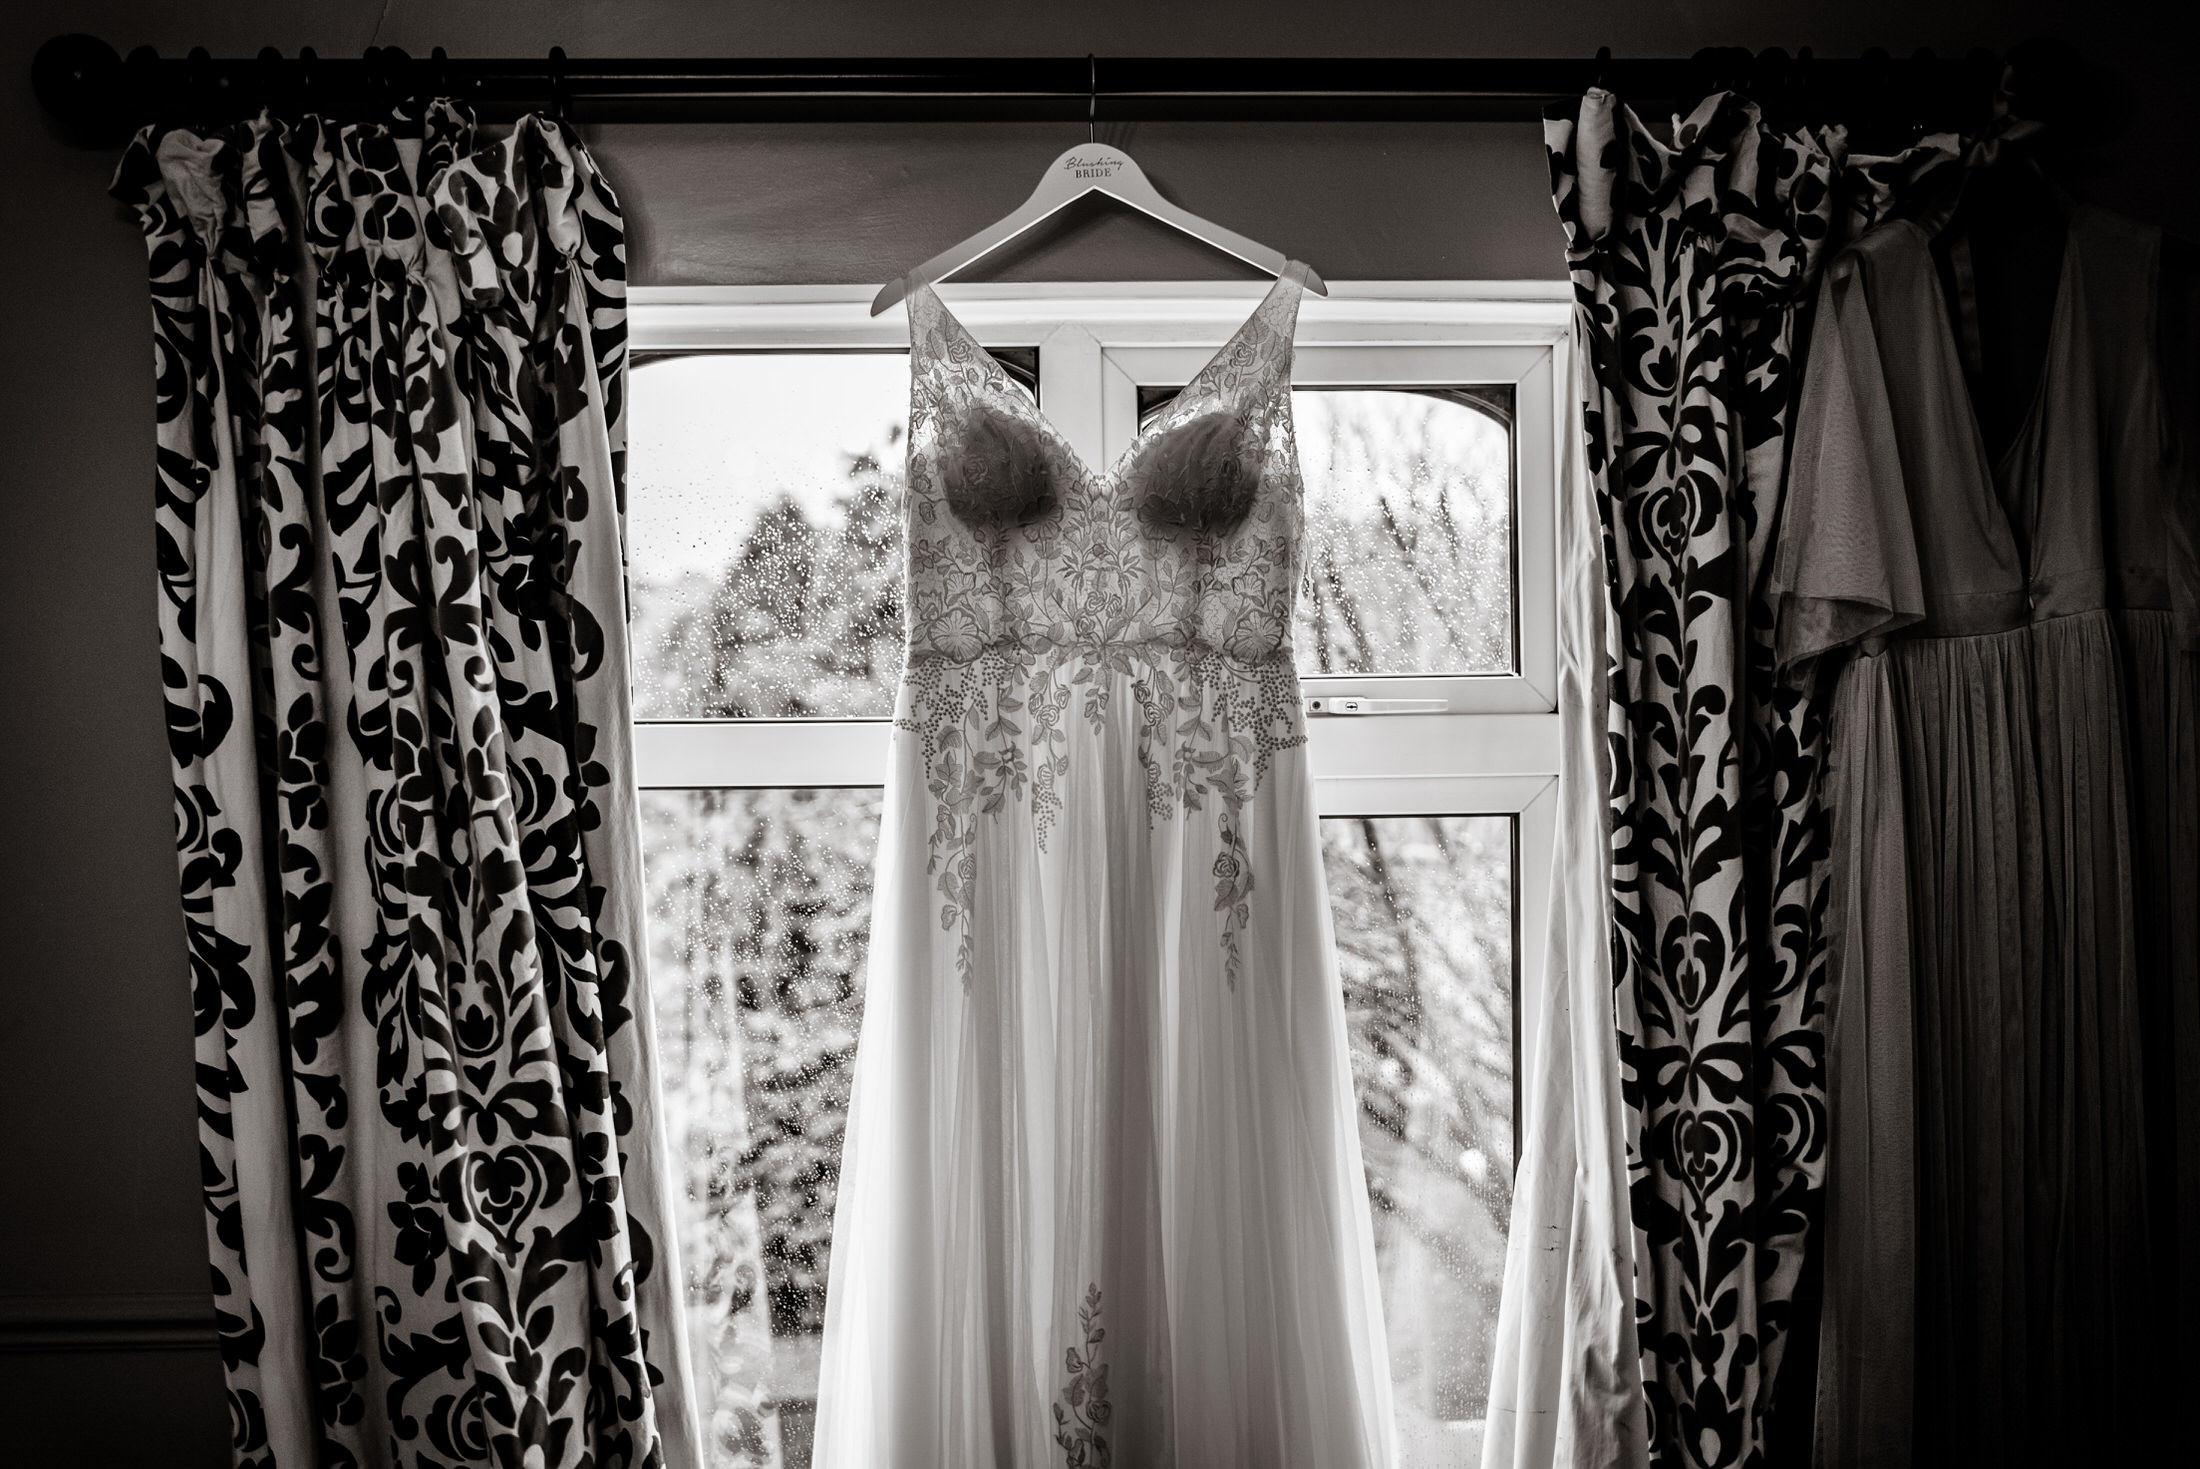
(1101, 1200)
(2033, 1288)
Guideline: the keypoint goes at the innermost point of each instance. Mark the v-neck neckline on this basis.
(1991, 467)
(1293, 274)
(2056, 347)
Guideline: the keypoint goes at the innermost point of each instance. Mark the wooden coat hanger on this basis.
(1089, 168)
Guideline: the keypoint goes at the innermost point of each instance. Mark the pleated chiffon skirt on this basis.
(2032, 1266)
(2162, 716)
(1101, 1200)
(1867, 1359)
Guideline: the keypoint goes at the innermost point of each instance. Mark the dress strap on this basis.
(925, 310)
(1966, 309)
(1278, 312)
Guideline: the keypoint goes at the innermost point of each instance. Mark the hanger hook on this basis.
(560, 101)
(1092, 98)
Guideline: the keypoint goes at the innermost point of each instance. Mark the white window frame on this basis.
(1494, 751)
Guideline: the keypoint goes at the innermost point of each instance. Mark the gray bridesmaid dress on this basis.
(2146, 464)
(1984, 760)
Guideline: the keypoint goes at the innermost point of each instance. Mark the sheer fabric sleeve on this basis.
(1846, 567)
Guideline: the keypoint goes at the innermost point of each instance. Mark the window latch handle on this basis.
(1355, 704)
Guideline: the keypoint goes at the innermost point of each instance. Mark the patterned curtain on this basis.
(1693, 265)
(389, 377)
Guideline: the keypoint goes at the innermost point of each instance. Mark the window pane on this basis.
(1408, 531)
(1424, 919)
(760, 910)
(764, 533)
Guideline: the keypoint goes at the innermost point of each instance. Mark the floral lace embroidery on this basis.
(994, 732)
(1032, 579)
(1083, 1410)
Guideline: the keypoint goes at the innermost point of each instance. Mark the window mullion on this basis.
(1071, 371)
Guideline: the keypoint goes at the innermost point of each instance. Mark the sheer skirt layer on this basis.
(2164, 727)
(1097, 1187)
(2032, 1273)
(1867, 1344)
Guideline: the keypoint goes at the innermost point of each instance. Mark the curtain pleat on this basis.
(1693, 261)
(392, 631)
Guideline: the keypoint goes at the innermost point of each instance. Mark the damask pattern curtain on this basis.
(389, 376)
(1692, 264)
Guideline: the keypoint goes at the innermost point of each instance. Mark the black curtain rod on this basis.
(96, 97)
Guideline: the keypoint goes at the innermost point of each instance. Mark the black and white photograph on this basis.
(981, 735)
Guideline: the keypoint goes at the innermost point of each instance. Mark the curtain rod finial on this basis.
(75, 77)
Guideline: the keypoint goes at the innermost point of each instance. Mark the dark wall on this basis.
(102, 1221)
(864, 202)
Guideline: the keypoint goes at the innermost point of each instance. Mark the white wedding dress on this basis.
(1101, 1201)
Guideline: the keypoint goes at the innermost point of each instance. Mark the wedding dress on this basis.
(1101, 1200)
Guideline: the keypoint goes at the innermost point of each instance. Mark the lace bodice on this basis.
(1191, 540)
